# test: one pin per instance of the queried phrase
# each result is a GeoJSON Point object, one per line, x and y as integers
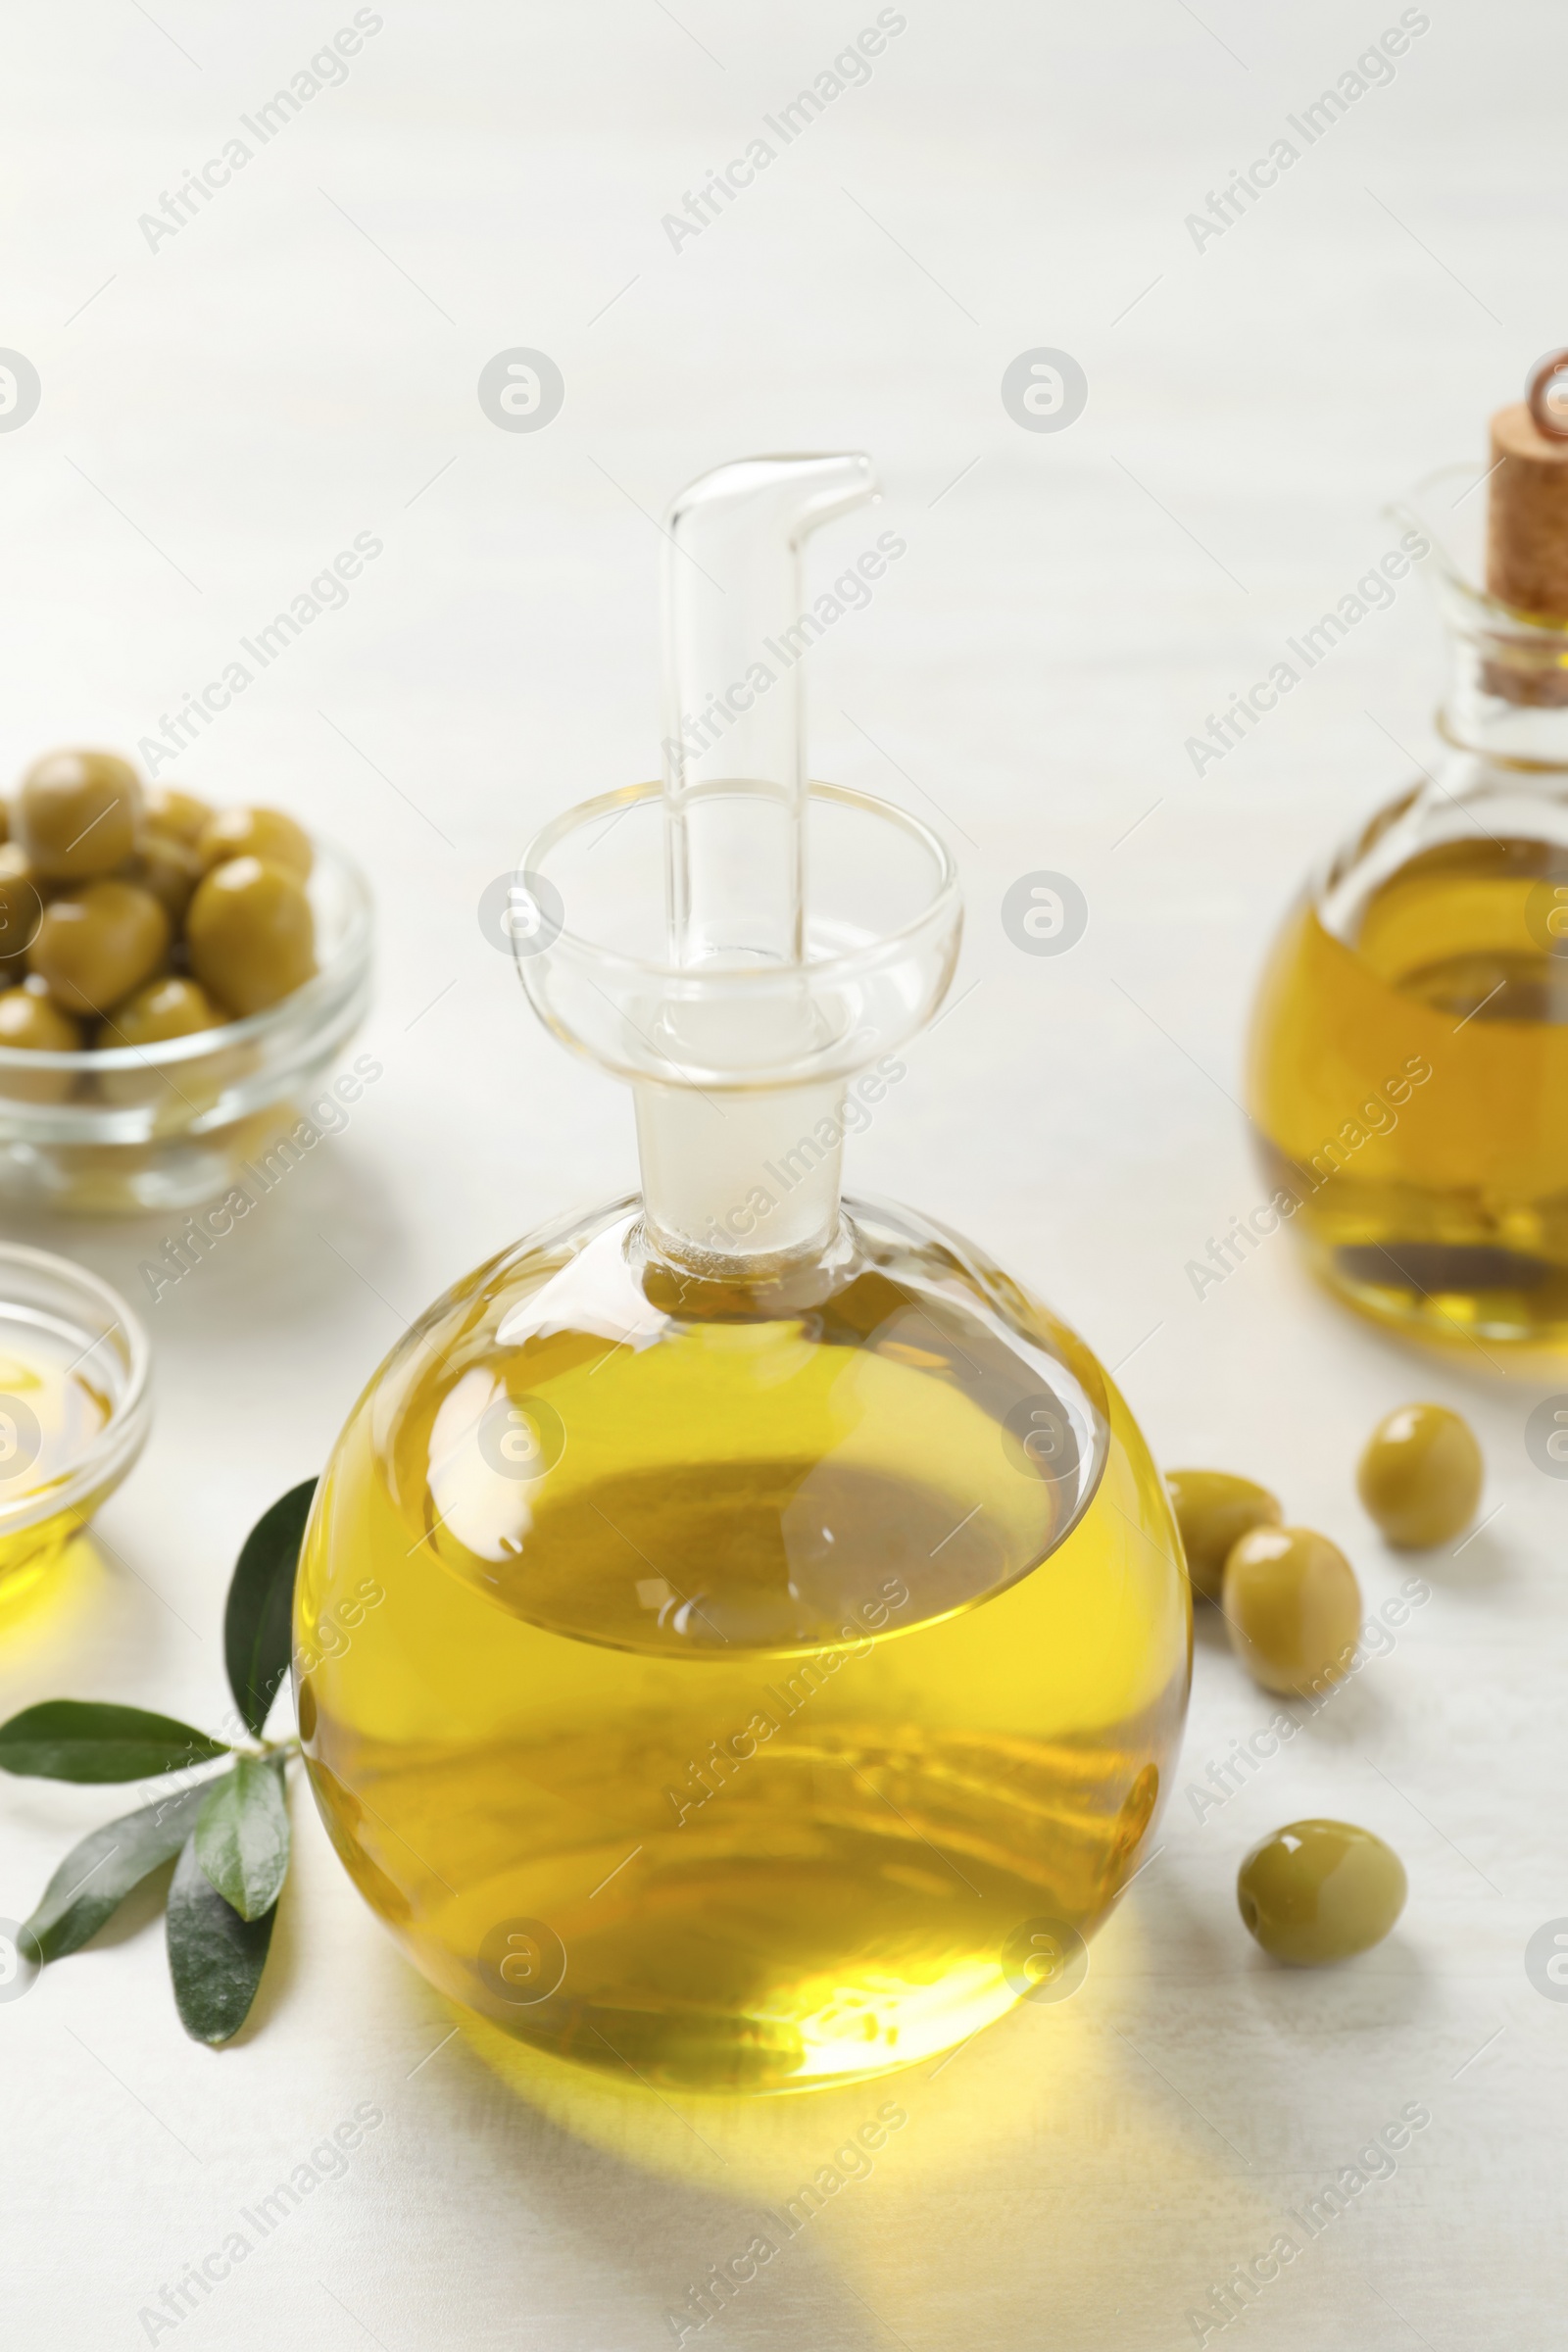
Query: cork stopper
{"type": "Point", "coordinates": [1527, 535]}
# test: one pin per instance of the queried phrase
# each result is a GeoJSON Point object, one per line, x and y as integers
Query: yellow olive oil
{"type": "Point", "coordinates": [744, 1696]}
{"type": "Point", "coordinates": [51, 1411]}
{"type": "Point", "coordinates": [1409, 1084]}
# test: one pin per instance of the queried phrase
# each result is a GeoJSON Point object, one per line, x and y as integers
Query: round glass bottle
{"type": "Point", "coordinates": [741, 1637]}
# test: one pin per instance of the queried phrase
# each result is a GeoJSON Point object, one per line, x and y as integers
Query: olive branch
{"type": "Point", "coordinates": [227, 1834]}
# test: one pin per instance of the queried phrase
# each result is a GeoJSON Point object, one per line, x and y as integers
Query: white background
{"type": "Point", "coordinates": [299, 365]}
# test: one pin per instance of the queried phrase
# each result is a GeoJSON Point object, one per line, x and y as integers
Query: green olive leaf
{"type": "Point", "coordinates": [96, 1876]}
{"type": "Point", "coordinates": [241, 1836]}
{"type": "Point", "coordinates": [258, 1618]}
{"type": "Point", "coordinates": [215, 1957]}
{"type": "Point", "coordinates": [82, 1739]}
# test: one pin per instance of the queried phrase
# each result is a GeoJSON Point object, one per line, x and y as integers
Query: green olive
{"type": "Point", "coordinates": [1320, 1891]}
{"type": "Point", "coordinates": [167, 866]}
{"type": "Point", "coordinates": [28, 1021]}
{"type": "Point", "coordinates": [77, 814]}
{"type": "Point", "coordinates": [1292, 1608]}
{"type": "Point", "coordinates": [1420, 1476]}
{"type": "Point", "coordinates": [1213, 1511]}
{"type": "Point", "coordinates": [166, 1007]}
{"type": "Point", "coordinates": [22, 897]}
{"type": "Point", "coordinates": [181, 813]}
{"type": "Point", "coordinates": [251, 934]}
{"type": "Point", "coordinates": [95, 945]}
{"type": "Point", "coordinates": [265, 833]}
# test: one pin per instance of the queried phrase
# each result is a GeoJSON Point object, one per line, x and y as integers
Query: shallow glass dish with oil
{"type": "Point", "coordinates": [75, 1406]}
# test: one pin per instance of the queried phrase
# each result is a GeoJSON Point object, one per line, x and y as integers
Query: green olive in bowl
{"type": "Point", "coordinates": [77, 814]}
{"type": "Point", "coordinates": [251, 934]}
{"type": "Point", "coordinates": [96, 944]}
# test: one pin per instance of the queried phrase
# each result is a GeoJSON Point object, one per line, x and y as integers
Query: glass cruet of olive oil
{"type": "Point", "coordinates": [741, 1635]}
{"type": "Point", "coordinates": [1409, 1055]}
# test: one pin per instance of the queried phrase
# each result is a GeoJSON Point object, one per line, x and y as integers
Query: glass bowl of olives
{"type": "Point", "coordinates": [174, 978]}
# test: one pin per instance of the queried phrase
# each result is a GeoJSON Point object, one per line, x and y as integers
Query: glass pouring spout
{"type": "Point", "coordinates": [735, 769]}
{"type": "Point", "coordinates": [804, 932]}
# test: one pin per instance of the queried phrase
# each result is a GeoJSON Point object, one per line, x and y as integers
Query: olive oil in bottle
{"type": "Point", "coordinates": [751, 1740]}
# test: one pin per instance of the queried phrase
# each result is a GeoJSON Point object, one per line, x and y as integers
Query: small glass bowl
{"type": "Point", "coordinates": [162, 1127]}
{"type": "Point", "coordinates": [61, 1316]}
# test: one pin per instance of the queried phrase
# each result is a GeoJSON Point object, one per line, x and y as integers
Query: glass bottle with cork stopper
{"type": "Point", "coordinates": [1409, 1079]}
{"type": "Point", "coordinates": [741, 1635]}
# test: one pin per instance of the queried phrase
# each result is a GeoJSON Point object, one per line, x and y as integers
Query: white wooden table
{"type": "Point", "coordinates": [223, 407]}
